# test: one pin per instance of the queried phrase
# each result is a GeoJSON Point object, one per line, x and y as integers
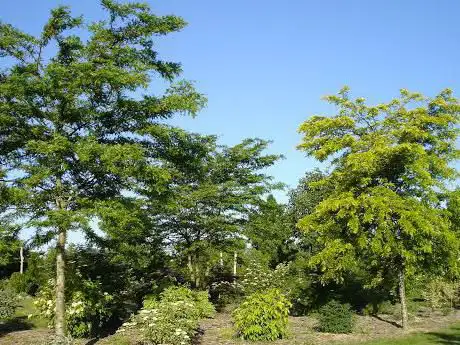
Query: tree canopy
{"type": "Point", "coordinates": [390, 162]}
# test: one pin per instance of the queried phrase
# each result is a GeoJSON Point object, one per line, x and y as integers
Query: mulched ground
{"type": "Point", "coordinates": [218, 331]}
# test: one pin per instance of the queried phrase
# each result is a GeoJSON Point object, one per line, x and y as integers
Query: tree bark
{"type": "Point", "coordinates": [60, 325]}
{"type": "Point", "coordinates": [59, 320]}
{"type": "Point", "coordinates": [402, 297]}
{"type": "Point", "coordinates": [21, 255]}
{"type": "Point", "coordinates": [197, 273]}
{"type": "Point", "coordinates": [235, 257]}
{"type": "Point", "coordinates": [190, 269]}
{"type": "Point", "coordinates": [221, 259]}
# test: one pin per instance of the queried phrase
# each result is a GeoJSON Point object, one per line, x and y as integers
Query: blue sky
{"type": "Point", "coordinates": [264, 65]}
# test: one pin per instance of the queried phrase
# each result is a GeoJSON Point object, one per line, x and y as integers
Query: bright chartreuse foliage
{"type": "Point", "coordinates": [262, 316]}
{"type": "Point", "coordinates": [390, 164]}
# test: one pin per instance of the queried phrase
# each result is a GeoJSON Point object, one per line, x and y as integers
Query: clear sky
{"type": "Point", "coordinates": [264, 65]}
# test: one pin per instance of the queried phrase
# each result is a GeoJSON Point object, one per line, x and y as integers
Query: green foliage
{"type": "Point", "coordinates": [262, 316]}
{"type": "Point", "coordinates": [390, 161]}
{"type": "Point", "coordinates": [225, 292]}
{"type": "Point", "coordinates": [214, 188]}
{"type": "Point", "coordinates": [269, 231]}
{"type": "Point", "coordinates": [88, 308]}
{"type": "Point", "coordinates": [19, 283]}
{"type": "Point", "coordinates": [258, 277]}
{"type": "Point", "coordinates": [8, 303]}
{"type": "Point", "coordinates": [173, 319]}
{"type": "Point", "coordinates": [391, 164]}
{"type": "Point", "coordinates": [28, 282]}
{"type": "Point", "coordinates": [440, 293]}
{"type": "Point", "coordinates": [199, 299]}
{"type": "Point", "coordinates": [335, 317]}
{"type": "Point", "coordinates": [80, 125]}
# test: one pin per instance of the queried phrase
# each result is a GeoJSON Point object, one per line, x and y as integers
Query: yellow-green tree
{"type": "Point", "coordinates": [389, 164]}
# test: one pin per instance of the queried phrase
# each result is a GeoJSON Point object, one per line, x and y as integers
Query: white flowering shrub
{"type": "Point", "coordinates": [86, 309]}
{"type": "Point", "coordinates": [257, 277]}
{"type": "Point", "coordinates": [174, 319]}
{"type": "Point", "coordinates": [440, 293]}
{"type": "Point", "coordinates": [225, 292]}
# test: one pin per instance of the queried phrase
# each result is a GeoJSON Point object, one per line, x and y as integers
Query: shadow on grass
{"type": "Point", "coordinates": [394, 323]}
{"type": "Point", "coordinates": [20, 323]}
{"type": "Point", "coordinates": [450, 338]}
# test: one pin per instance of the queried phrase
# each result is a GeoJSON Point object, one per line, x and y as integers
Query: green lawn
{"type": "Point", "coordinates": [450, 336]}
{"type": "Point", "coordinates": [20, 321]}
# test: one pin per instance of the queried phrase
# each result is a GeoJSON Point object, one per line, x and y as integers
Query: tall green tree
{"type": "Point", "coordinates": [302, 201]}
{"type": "Point", "coordinates": [78, 120]}
{"type": "Point", "coordinates": [269, 231]}
{"type": "Point", "coordinates": [212, 191]}
{"type": "Point", "coordinates": [390, 162]}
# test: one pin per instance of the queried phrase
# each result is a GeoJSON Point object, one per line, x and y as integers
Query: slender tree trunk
{"type": "Point", "coordinates": [197, 273]}
{"type": "Point", "coordinates": [21, 255]}
{"type": "Point", "coordinates": [235, 257]}
{"type": "Point", "coordinates": [221, 259]}
{"type": "Point", "coordinates": [402, 297]}
{"type": "Point", "coordinates": [60, 326]}
{"type": "Point", "coordinates": [190, 269]}
{"type": "Point", "coordinates": [59, 321]}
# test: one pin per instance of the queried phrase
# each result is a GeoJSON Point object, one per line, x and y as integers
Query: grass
{"type": "Point", "coordinates": [26, 308]}
{"type": "Point", "coordinates": [21, 320]}
{"type": "Point", "coordinates": [449, 336]}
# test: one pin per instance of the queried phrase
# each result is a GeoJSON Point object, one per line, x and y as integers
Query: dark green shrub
{"type": "Point", "coordinates": [262, 316]}
{"type": "Point", "coordinates": [8, 304]}
{"type": "Point", "coordinates": [335, 317]}
{"type": "Point", "coordinates": [19, 283]}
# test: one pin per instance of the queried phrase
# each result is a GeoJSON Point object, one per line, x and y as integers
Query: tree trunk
{"type": "Point", "coordinates": [190, 269]}
{"type": "Point", "coordinates": [221, 259]}
{"type": "Point", "coordinates": [59, 320]}
{"type": "Point", "coordinates": [197, 273]}
{"type": "Point", "coordinates": [21, 255]}
{"type": "Point", "coordinates": [60, 326]}
{"type": "Point", "coordinates": [402, 297]}
{"type": "Point", "coordinates": [235, 257]}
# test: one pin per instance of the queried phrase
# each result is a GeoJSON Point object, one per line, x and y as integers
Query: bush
{"type": "Point", "coordinates": [199, 299]}
{"type": "Point", "coordinates": [440, 294]}
{"type": "Point", "coordinates": [262, 316]}
{"type": "Point", "coordinates": [173, 319]}
{"type": "Point", "coordinates": [8, 304]}
{"type": "Point", "coordinates": [225, 292]}
{"type": "Point", "coordinates": [258, 277]}
{"type": "Point", "coordinates": [335, 317]}
{"type": "Point", "coordinates": [18, 283]}
{"type": "Point", "coordinates": [86, 310]}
